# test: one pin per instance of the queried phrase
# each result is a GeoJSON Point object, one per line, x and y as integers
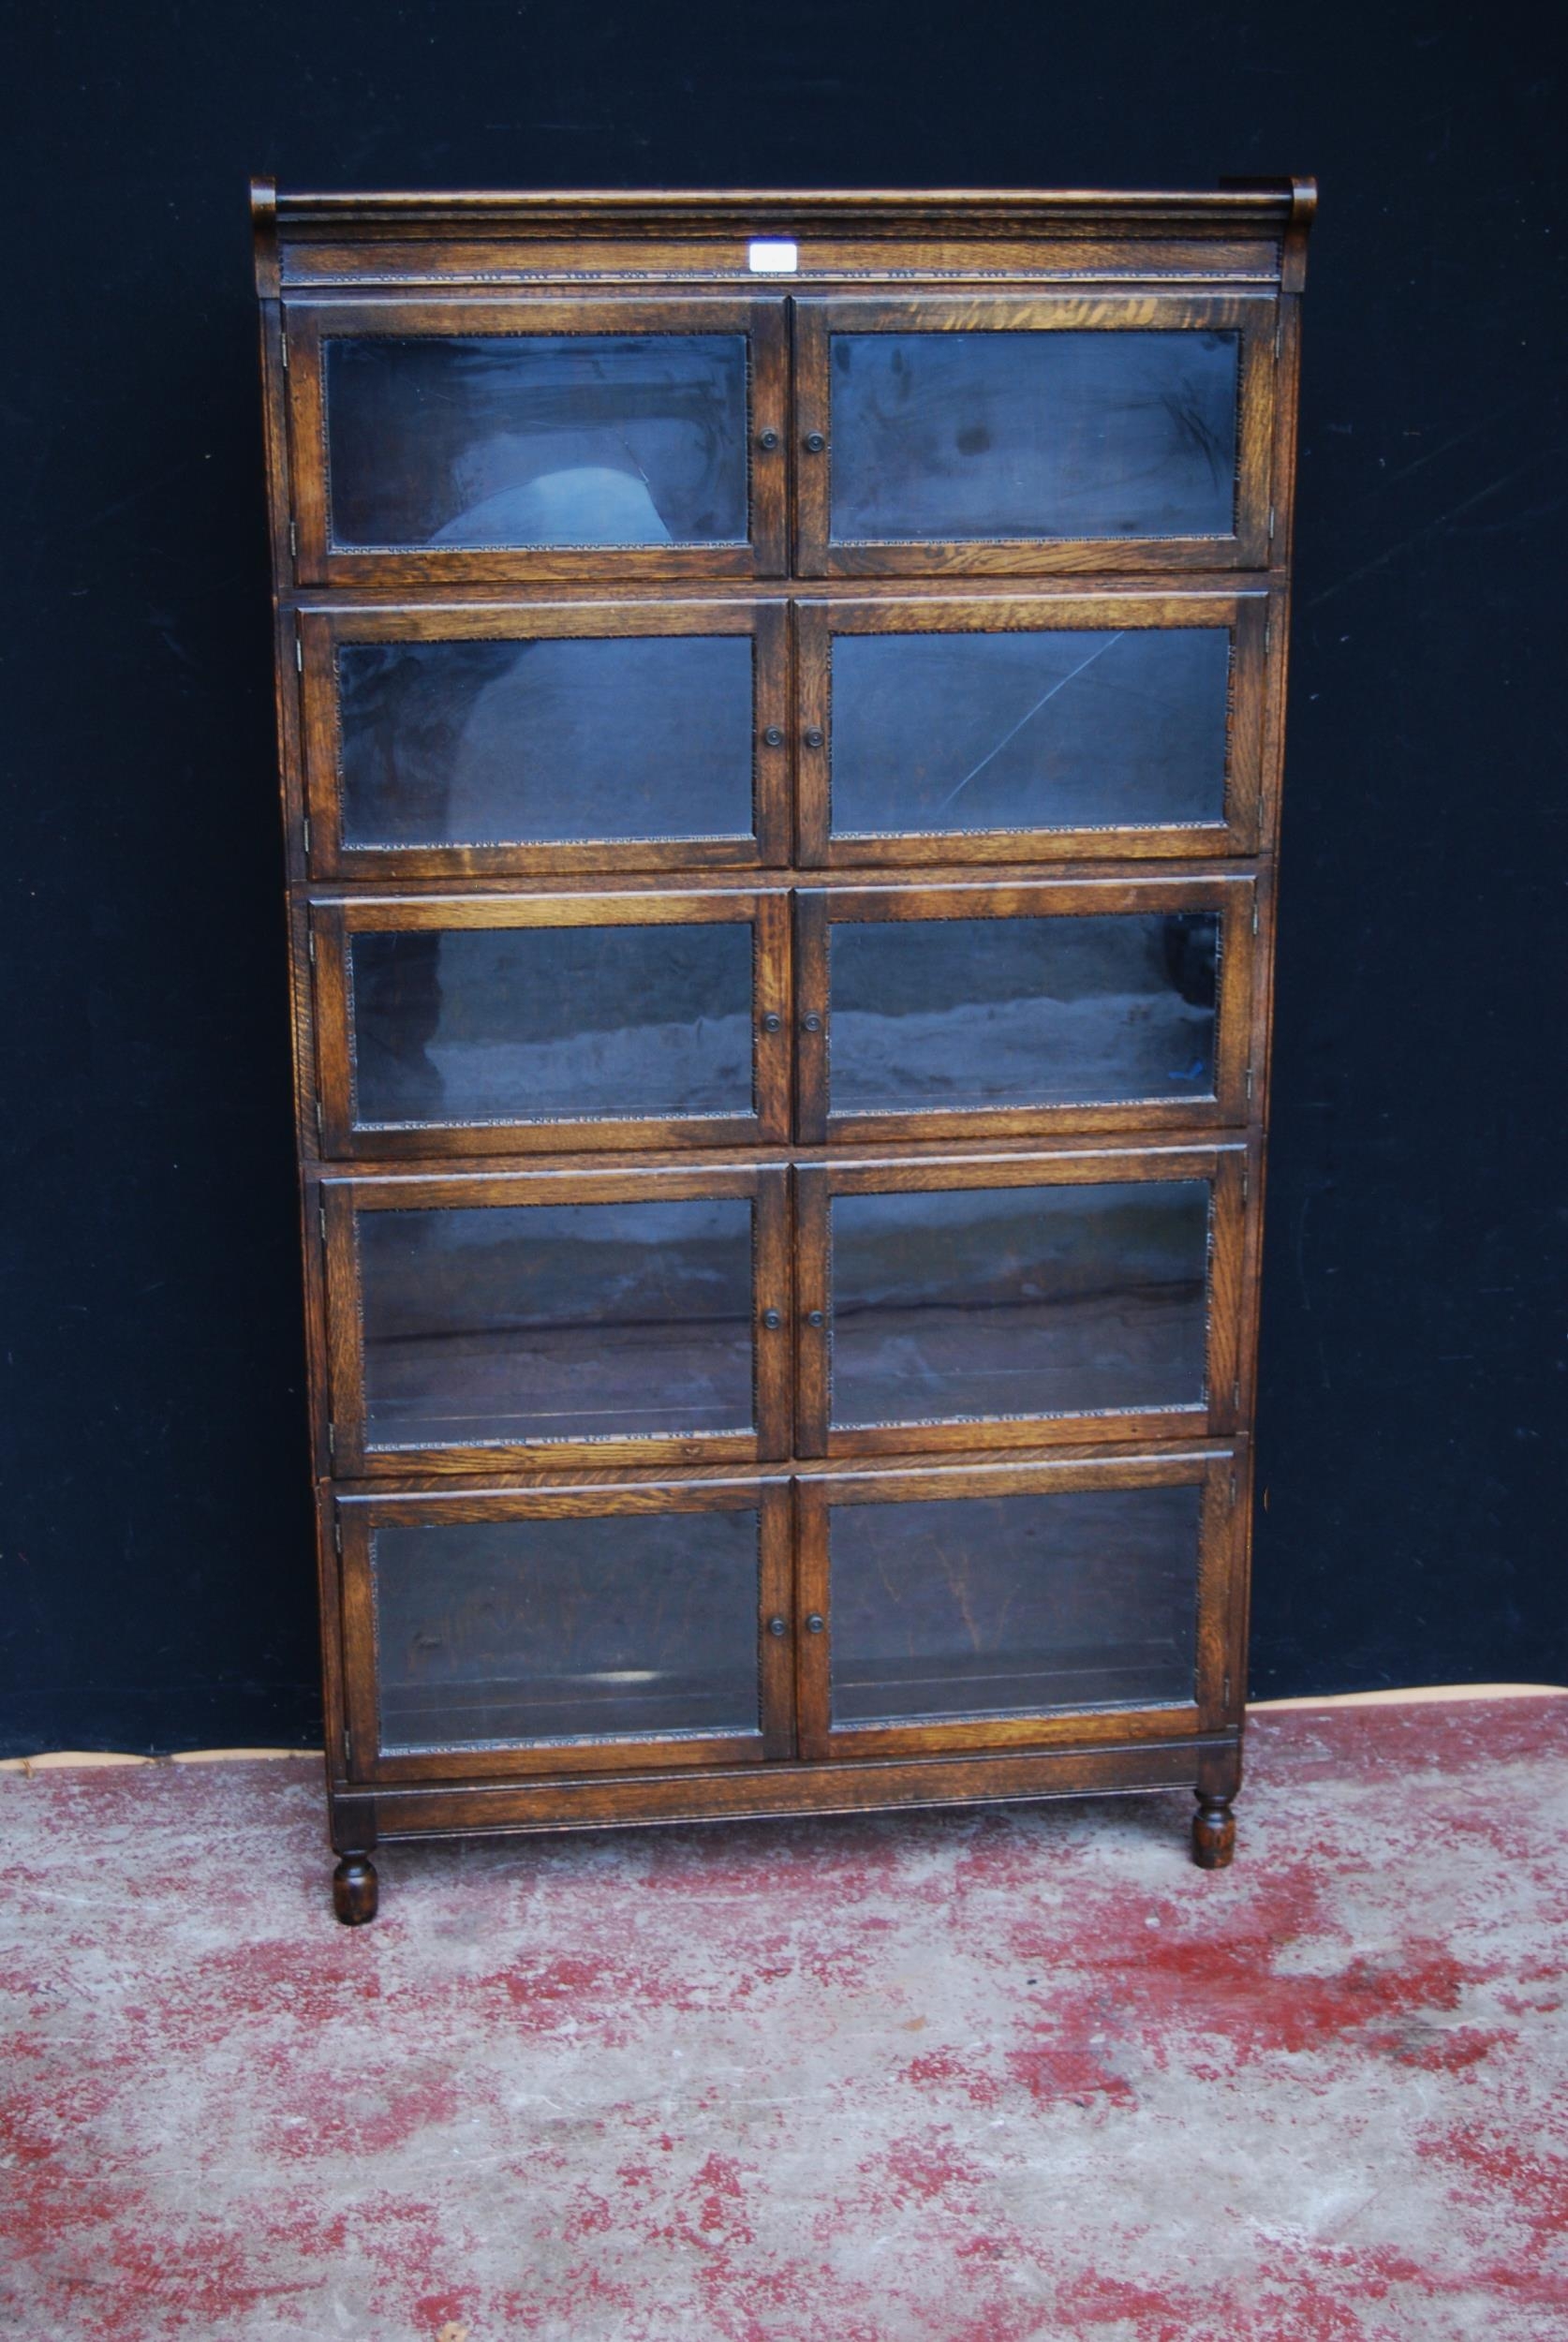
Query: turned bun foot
{"type": "Point", "coordinates": [1213, 1832]}
{"type": "Point", "coordinates": [354, 1889]}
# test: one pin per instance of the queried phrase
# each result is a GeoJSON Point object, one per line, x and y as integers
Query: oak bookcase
{"type": "Point", "coordinates": [781, 714]}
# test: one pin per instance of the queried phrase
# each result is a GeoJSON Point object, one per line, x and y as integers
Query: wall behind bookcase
{"type": "Point", "coordinates": [155, 1575]}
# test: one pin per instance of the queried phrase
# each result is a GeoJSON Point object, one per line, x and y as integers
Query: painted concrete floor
{"type": "Point", "coordinates": [951, 2078]}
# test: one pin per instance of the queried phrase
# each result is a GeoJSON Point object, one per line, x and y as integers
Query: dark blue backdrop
{"type": "Point", "coordinates": [157, 1586]}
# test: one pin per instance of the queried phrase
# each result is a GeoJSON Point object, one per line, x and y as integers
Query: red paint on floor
{"type": "Point", "coordinates": [982, 2077]}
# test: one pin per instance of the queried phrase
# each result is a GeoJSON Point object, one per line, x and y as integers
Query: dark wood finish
{"type": "Point", "coordinates": [324, 627]}
{"type": "Point", "coordinates": [358, 1517]}
{"type": "Point", "coordinates": [341, 1201]}
{"type": "Point", "coordinates": [335, 918]}
{"type": "Point", "coordinates": [1249, 811]}
{"type": "Point", "coordinates": [1227, 1375]}
{"type": "Point", "coordinates": [306, 323]}
{"type": "Point", "coordinates": [411, 266]}
{"type": "Point", "coordinates": [1249, 234]}
{"type": "Point", "coordinates": [1248, 316]}
{"type": "Point", "coordinates": [1213, 1832]}
{"type": "Point", "coordinates": [858, 1786]}
{"type": "Point", "coordinates": [1215, 1705]}
{"type": "Point", "coordinates": [356, 1893]}
{"type": "Point", "coordinates": [1232, 898]}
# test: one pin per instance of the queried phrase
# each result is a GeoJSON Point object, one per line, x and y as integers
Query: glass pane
{"type": "Point", "coordinates": [519, 1630]}
{"type": "Point", "coordinates": [939, 436]}
{"type": "Point", "coordinates": [545, 743]}
{"type": "Point", "coordinates": [1069, 729]}
{"type": "Point", "coordinates": [980, 1606]}
{"type": "Point", "coordinates": [1014, 1301]}
{"type": "Point", "coordinates": [537, 439]}
{"type": "Point", "coordinates": [931, 1014]}
{"type": "Point", "coordinates": [556, 1321]}
{"type": "Point", "coordinates": [534, 1024]}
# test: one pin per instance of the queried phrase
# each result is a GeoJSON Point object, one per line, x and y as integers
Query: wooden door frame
{"type": "Point", "coordinates": [1226, 1163]}
{"type": "Point", "coordinates": [356, 1516]}
{"type": "Point", "coordinates": [1219, 1473]}
{"type": "Point", "coordinates": [1246, 612]}
{"type": "Point", "coordinates": [342, 1196]}
{"type": "Point", "coordinates": [325, 628]}
{"type": "Point", "coordinates": [1232, 896]}
{"type": "Point", "coordinates": [310, 319]}
{"type": "Point", "coordinates": [1250, 315]}
{"type": "Point", "coordinates": [336, 919]}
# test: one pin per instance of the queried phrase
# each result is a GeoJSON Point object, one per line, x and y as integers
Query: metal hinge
{"type": "Point", "coordinates": [318, 1133]}
{"type": "Point", "coordinates": [1232, 1487]}
{"type": "Point", "coordinates": [299, 646]}
{"type": "Point", "coordinates": [1268, 621]}
{"type": "Point", "coordinates": [1278, 335]}
{"type": "Point", "coordinates": [310, 939]}
{"type": "Point", "coordinates": [331, 1439]}
{"type": "Point", "coordinates": [348, 1747]}
{"type": "Point", "coordinates": [1249, 1085]}
{"type": "Point", "coordinates": [1272, 515]}
{"type": "Point", "coordinates": [283, 344]}
{"type": "Point", "coordinates": [1246, 1182]}
{"type": "Point", "coordinates": [1254, 915]}
{"type": "Point", "coordinates": [321, 1216]}
{"type": "Point", "coordinates": [305, 831]}
{"type": "Point", "coordinates": [337, 1534]}
{"type": "Point", "coordinates": [1227, 1700]}
{"type": "Point", "coordinates": [1236, 1392]}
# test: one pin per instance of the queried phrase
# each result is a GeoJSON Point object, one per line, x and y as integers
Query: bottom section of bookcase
{"type": "Point", "coordinates": [362, 1820]}
{"type": "Point", "coordinates": [597, 1651]}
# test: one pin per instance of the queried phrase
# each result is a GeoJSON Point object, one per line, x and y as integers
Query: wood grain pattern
{"type": "Point", "coordinates": [1250, 318]}
{"type": "Point", "coordinates": [334, 919]}
{"type": "Point", "coordinates": [1225, 1167]}
{"type": "Point", "coordinates": [317, 561]}
{"type": "Point", "coordinates": [325, 626]}
{"type": "Point", "coordinates": [859, 1784]}
{"type": "Point", "coordinates": [943, 260]}
{"type": "Point", "coordinates": [1232, 898]}
{"type": "Point", "coordinates": [825, 615]}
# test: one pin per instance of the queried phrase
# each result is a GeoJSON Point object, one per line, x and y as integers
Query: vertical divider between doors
{"type": "Point", "coordinates": [769, 328]}
{"type": "Point", "coordinates": [773, 1344]}
{"type": "Point", "coordinates": [772, 788]}
{"type": "Point", "coordinates": [813, 1688]}
{"type": "Point", "coordinates": [775, 1523]}
{"type": "Point", "coordinates": [808, 412]}
{"type": "Point", "coordinates": [811, 1016]}
{"type": "Point", "coordinates": [792, 468]}
{"type": "Point", "coordinates": [813, 643]}
{"type": "Point", "coordinates": [811, 1297]}
{"type": "Point", "coordinates": [775, 1056]}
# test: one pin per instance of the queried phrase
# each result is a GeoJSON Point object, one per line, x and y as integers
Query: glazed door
{"type": "Point", "coordinates": [604, 1317]}
{"type": "Point", "coordinates": [484, 1024]}
{"type": "Point", "coordinates": [1013, 1605]}
{"type": "Point", "coordinates": [1009, 727]}
{"type": "Point", "coordinates": [938, 1012]}
{"type": "Point", "coordinates": [480, 441]}
{"type": "Point", "coordinates": [1015, 436]}
{"type": "Point", "coordinates": [1019, 1300]}
{"type": "Point", "coordinates": [566, 1629]}
{"type": "Point", "coordinates": [535, 737]}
